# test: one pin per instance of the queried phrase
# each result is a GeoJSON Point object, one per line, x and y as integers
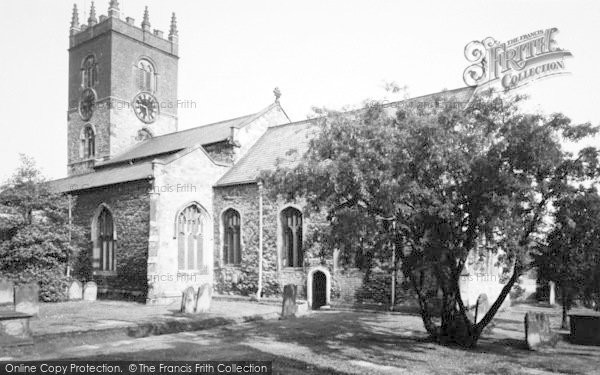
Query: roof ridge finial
{"type": "Point", "coordinates": [75, 20]}
{"type": "Point", "coordinates": [173, 33]}
{"type": "Point", "coordinates": [277, 94]}
{"type": "Point", "coordinates": [113, 9]}
{"type": "Point", "coordinates": [146, 22]}
{"type": "Point", "coordinates": [92, 20]}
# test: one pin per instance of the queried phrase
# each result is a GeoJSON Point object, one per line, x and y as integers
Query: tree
{"type": "Point", "coordinates": [571, 256]}
{"type": "Point", "coordinates": [435, 182]}
{"type": "Point", "coordinates": [36, 236]}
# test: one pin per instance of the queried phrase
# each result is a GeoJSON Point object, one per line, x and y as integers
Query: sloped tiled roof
{"type": "Point", "coordinates": [173, 142]}
{"type": "Point", "coordinates": [457, 97]}
{"type": "Point", "coordinates": [104, 177]}
{"type": "Point", "coordinates": [286, 144]}
{"type": "Point", "coordinates": [283, 143]}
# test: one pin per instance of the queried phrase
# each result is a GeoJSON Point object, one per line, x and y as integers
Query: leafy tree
{"type": "Point", "coordinates": [431, 184]}
{"type": "Point", "coordinates": [571, 256]}
{"type": "Point", "coordinates": [35, 242]}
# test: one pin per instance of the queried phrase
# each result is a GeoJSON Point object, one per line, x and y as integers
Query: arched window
{"type": "Point", "coordinates": [146, 76]}
{"type": "Point", "coordinates": [143, 134]}
{"type": "Point", "coordinates": [89, 72]}
{"type": "Point", "coordinates": [190, 238]}
{"type": "Point", "coordinates": [291, 224]}
{"type": "Point", "coordinates": [232, 251]}
{"type": "Point", "coordinates": [104, 257]}
{"type": "Point", "coordinates": [88, 142]}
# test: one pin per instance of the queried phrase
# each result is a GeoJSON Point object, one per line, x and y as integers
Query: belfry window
{"type": "Point", "coordinates": [291, 224]}
{"type": "Point", "coordinates": [89, 72]}
{"type": "Point", "coordinates": [232, 252]}
{"type": "Point", "coordinates": [88, 142]}
{"type": "Point", "coordinates": [190, 238]}
{"type": "Point", "coordinates": [146, 76]}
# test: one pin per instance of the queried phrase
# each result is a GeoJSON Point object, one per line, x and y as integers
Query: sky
{"type": "Point", "coordinates": [319, 53]}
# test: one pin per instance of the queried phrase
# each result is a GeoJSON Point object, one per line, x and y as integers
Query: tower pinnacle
{"type": "Point", "coordinates": [75, 20]}
{"type": "Point", "coordinates": [173, 33]}
{"type": "Point", "coordinates": [92, 20]}
{"type": "Point", "coordinates": [113, 9]}
{"type": "Point", "coordinates": [146, 21]}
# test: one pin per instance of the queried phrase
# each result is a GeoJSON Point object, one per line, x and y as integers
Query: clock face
{"type": "Point", "coordinates": [145, 107]}
{"type": "Point", "coordinates": [86, 104]}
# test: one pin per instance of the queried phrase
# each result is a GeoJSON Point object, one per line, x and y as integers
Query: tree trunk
{"type": "Point", "coordinates": [455, 328]}
{"type": "Point", "coordinates": [565, 307]}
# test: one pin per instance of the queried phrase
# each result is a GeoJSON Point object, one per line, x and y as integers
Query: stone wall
{"type": "Point", "coordinates": [114, 121]}
{"type": "Point", "coordinates": [186, 179]}
{"type": "Point", "coordinates": [221, 151]}
{"type": "Point", "coordinates": [130, 206]}
{"type": "Point", "coordinates": [243, 278]}
{"type": "Point", "coordinates": [348, 285]}
{"type": "Point", "coordinates": [247, 136]}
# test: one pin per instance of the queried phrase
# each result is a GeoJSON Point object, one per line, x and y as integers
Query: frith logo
{"type": "Point", "coordinates": [514, 63]}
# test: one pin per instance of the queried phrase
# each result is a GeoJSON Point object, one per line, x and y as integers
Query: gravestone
{"type": "Point", "coordinates": [7, 295]}
{"type": "Point", "coordinates": [482, 307]}
{"type": "Point", "coordinates": [289, 307]}
{"type": "Point", "coordinates": [203, 299]}
{"type": "Point", "coordinates": [27, 299]}
{"type": "Point", "coordinates": [14, 329]}
{"type": "Point", "coordinates": [90, 291]}
{"type": "Point", "coordinates": [538, 333]}
{"type": "Point", "coordinates": [75, 291]}
{"type": "Point", "coordinates": [188, 301]}
{"type": "Point", "coordinates": [302, 307]}
{"type": "Point", "coordinates": [552, 293]}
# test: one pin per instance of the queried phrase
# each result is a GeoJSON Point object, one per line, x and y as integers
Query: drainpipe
{"type": "Point", "coordinates": [260, 240]}
{"type": "Point", "coordinates": [393, 299]}
{"type": "Point", "coordinates": [70, 223]}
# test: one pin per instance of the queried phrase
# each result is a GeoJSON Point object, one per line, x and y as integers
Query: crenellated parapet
{"type": "Point", "coordinates": [112, 22]}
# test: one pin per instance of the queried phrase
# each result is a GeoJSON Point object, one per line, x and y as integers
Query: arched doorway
{"type": "Point", "coordinates": [319, 290]}
{"type": "Point", "coordinates": [318, 287]}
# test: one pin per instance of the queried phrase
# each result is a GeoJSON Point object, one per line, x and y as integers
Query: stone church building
{"type": "Point", "coordinates": [165, 209]}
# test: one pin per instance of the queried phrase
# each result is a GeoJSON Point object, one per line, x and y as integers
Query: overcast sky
{"type": "Point", "coordinates": [320, 53]}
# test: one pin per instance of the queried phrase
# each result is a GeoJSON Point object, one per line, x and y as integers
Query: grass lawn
{"type": "Point", "coordinates": [339, 342]}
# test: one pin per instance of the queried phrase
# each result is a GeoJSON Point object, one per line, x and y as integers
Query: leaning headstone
{"type": "Point", "coordinates": [75, 291]}
{"type": "Point", "coordinates": [482, 307]}
{"type": "Point", "coordinates": [27, 299]}
{"type": "Point", "coordinates": [538, 333]}
{"type": "Point", "coordinates": [203, 299]}
{"type": "Point", "coordinates": [90, 291]}
{"type": "Point", "coordinates": [7, 295]}
{"type": "Point", "coordinates": [188, 301]}
{"type": "Point", "coordinates": [289, 307]}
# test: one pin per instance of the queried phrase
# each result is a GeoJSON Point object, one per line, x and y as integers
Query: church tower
{"type": "Point", "coordinates": [122, 85]}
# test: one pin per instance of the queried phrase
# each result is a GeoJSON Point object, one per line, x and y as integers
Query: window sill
{"type": "Point", "coordinates": [292, 269]}
{"type": "Point", "coordinates": [203, 272]}
{"type": "Point", "coordinates": [104, 273]}
{"type": "Point", "coordinates": [231, 265]}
